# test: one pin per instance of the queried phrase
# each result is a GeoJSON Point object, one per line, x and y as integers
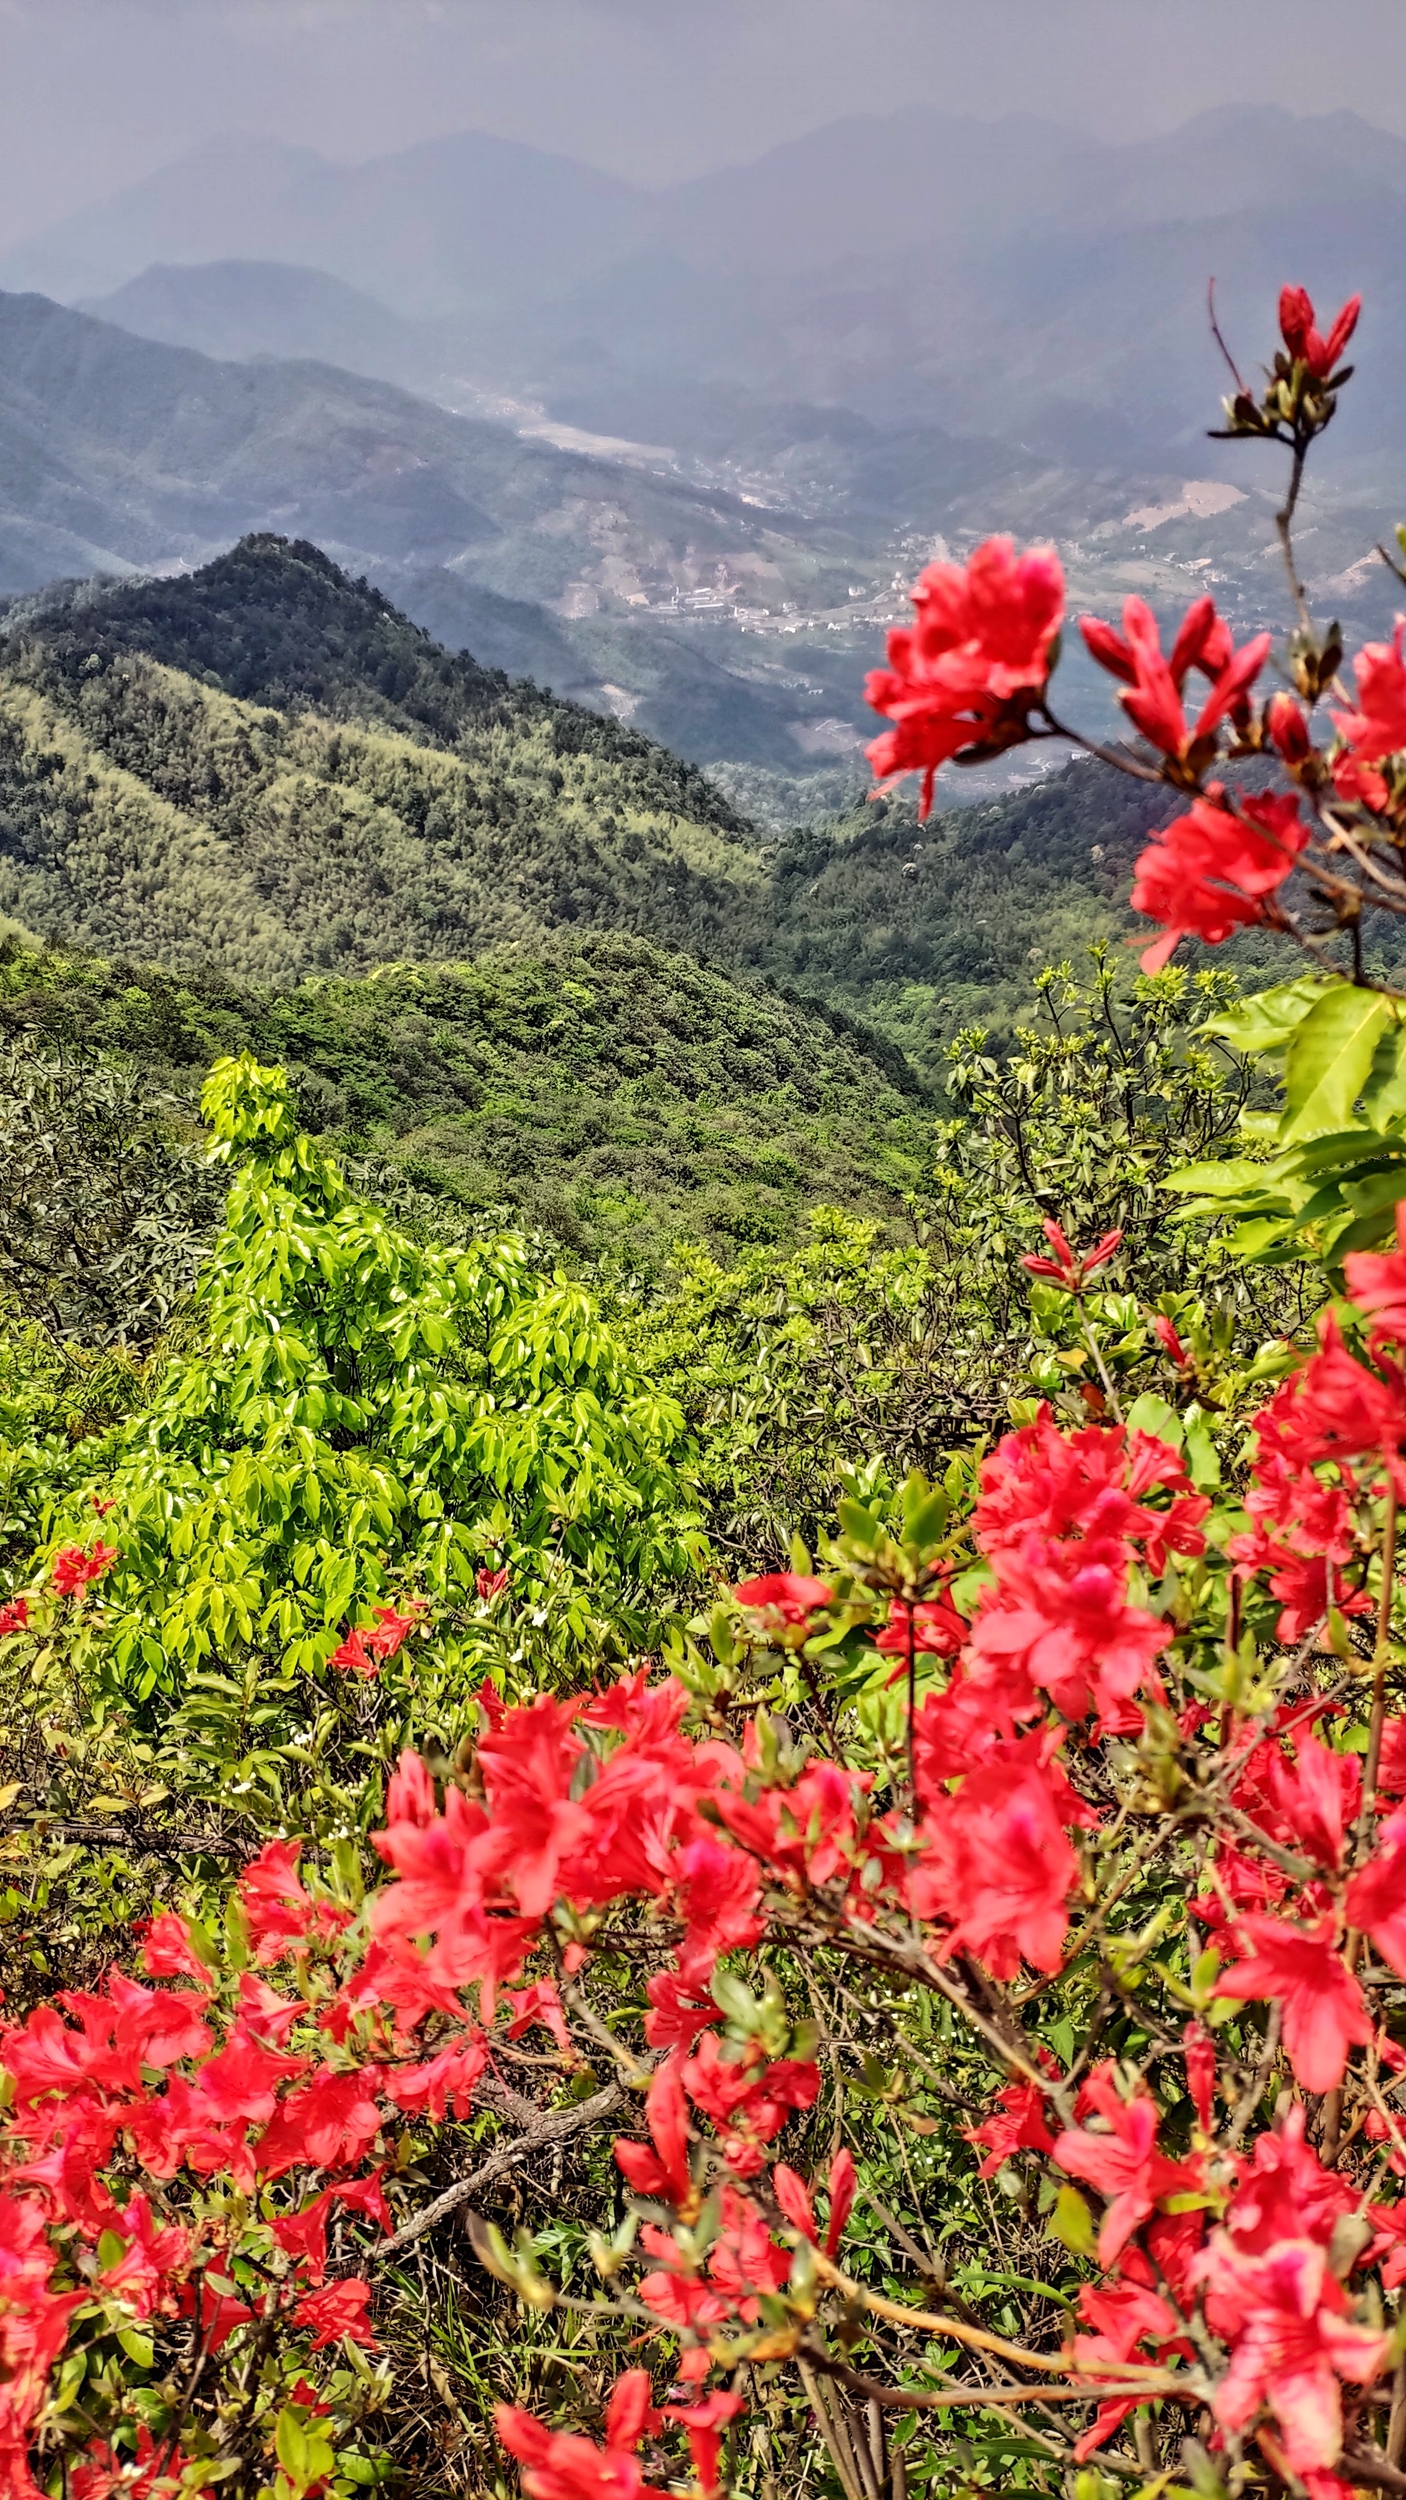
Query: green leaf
{"type": "Point", "coordinates": [1384, 1094]}
{"type": "Point", "coordinates": [1071, 2223]}
{"type": "Point", "coordinates": [1217, 1180]}
{"type": "Point", "coordinates": [291, 2443]}
{"type": "Point", "coordinates": [1152, 1415]}
{"type": "Point", "coordinates": [1202, 1459]}
{"type": "Point", "coordinates": [1329, 1059]}
{"type": "Point", "coordinates": [1267, 1022]}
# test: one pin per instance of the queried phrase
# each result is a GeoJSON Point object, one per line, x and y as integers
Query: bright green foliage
{"type": "Point", "coordinates": [366, 1420]}
{"type": "Point", "coordinates": [860, 1356]}
{"type": "Point", "coordinates": [1328, 1170]}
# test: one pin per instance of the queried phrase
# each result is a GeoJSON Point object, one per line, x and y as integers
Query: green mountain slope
{"type": "Point", "coordinates": [609, 1093]}
{"type": "Point", "coordinates": [144, 809]}
{"type": "Point", "coordinates": [263, 766]}
{"type": "Point", "coordinates": [923, 928]}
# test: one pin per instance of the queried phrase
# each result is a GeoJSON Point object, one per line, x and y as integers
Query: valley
{"type": "Point", "coordinates": [683, 470]}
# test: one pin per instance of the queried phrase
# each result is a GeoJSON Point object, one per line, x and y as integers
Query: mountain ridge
{"type": "Point", "coordinates": [890, 227]}
{"type": "Point", "coordinates": [119, 454]}
{"type": "Point", "coordinates": [266, 768]}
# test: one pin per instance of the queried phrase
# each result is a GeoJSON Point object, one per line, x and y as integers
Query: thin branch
{"type": "Point", "coordinates": [554, 2128]}
{"type": "Point", "coordinates": [1284, 524]}
{"type": "Point", "coordinates": [932, 2400]}
{"type": "Point", "coordinates": [1217, 335]}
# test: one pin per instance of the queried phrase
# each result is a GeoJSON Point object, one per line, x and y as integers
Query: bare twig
{"type": "Point", "coordinates": [554, 2128]}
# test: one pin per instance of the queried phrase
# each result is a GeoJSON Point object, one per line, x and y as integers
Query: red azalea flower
{"type": "Point", "coordinates": [1285, 2193]}
{"type": "Point", "coordinates": [1123, 2163]}
{"type": "Point", "coordinates": [1378, 726]}
{"type": "Point", "coordinates": [1058, 1615]}
{"type": "Point", "coordinates": [1333, 1407]}
{"type": "Point", "coordinates": [702, 2424]}
{"type": "Point", "coordinates": [932, 1626]}
{"type": "Point", "coordinates": [1291, 2344]}
{"type": "Point", "coordinates": [282, 1916]}
{"type": "Point", "coordinates": [1070, 1268]}
{"type": "Point", "coordinates": [794, 2198]}
{"type": "Point", "coordinates": [538, 2003]}
{"type": "Point", "coordinates": [328, 2122]}
{"type": "Point", "coordinates": [1311, 1804]}
{"type": "Point", "coordinates": [556, 2465]}
{"type": "Point", "coordinates": [442, 2085]}
{"type": "Point", "coordinates": [748, 2103]}
{"type": "Point", "coordinates": [1154, 702]}
{"type": "Point", "coordinates": [962, 679]}
{"type": "Point", "coordinates": [353, 1656]}
{"type": "Point", "coordinates": [1021, 2121]}
{"type": "Point", "coordinates": [1207, 874]}
{"type": "Point", "coordinates": [788, 1596]}
{"type": "Point", "coordinates": [1093, 1483]}
{"type": "Point", "coordinates": [1302, 339]}
{"type": "Point", "coordinates": [73, 1569]}
{"type": "Point", "coordinates": [997, 1863]}
{"type": "Point", "coordinates": [1169, 1341]}
{"type": "Point", "coordinates": [1288, 728]}
{"type": "Point", "coordinates": [1123, 2316]}
{"type": "Point", "coordinates": [391, 1626]}
{"type": "Point", "coordinates": [338, 2310]}
{"type": "Point", "coordinates": [1324, 2010]}
{"type": "Point", "coordinates": [664, 2171]}
{"type": "Point", "coordinates": [1375, 1900]}
{"type": "Point", "coordinates": [151, 2255]}
{"type": "Point", "coordinates": [1199, 2051]}
{"type": "Point", "coordinates": [1376, 1280]}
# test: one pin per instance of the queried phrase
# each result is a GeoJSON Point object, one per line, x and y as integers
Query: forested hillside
{"type": "Point", "coordinates": [611, 1095]}
{"type": "Point", "coordinates": [146, 809]}
{"type": "Point", "coordinates": [265, 768]}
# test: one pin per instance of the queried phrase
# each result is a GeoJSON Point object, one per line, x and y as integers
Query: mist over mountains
{"type": "Point", "coordinates": [996, 275]}
{"type": "Point", "coordinates": [677, 452]}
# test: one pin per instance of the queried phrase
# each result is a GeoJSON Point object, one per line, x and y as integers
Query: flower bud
{"type": "Point", "coordinates": [1288, 729]}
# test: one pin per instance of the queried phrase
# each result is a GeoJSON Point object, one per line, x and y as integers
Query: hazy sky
{"type": "Point", "coordinates": [94, 93]}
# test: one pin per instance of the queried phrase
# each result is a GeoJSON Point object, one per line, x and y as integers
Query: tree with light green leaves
{"type": "Point", "coordinates": [363, 1420]}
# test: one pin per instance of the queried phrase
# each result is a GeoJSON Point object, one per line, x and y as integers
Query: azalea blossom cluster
{"type": "Point", "coordinates": [972, 678]}
{"type": "Point", "coordinates": [1145, 1758]}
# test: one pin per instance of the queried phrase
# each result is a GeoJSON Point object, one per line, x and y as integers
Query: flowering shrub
{"type": "Point", "coordinates": [1040, 1848]}
{"type": "Point", "coordinates": [1122, 1797]}
{"type": "Point", "coordinates": [1313, 859]}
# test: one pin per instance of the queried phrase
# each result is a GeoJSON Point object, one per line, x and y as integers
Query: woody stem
{"type": "Point", "coordinates": [1118, 758]}
{"type": "Point", "coordinates": [1372, 1765]}
{"type": "Point", "coordinates": [1284, 524]}
{"type": "Point", "coordinates": [1096, 1351]}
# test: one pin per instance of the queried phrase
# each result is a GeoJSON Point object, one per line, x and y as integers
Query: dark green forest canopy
{"type": "Point", "coordinates": [614, 1095]}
